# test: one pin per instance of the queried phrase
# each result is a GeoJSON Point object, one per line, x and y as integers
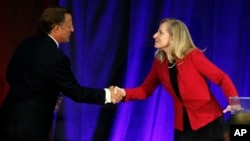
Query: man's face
{"type": "Point", "coordinates": [65, 29]}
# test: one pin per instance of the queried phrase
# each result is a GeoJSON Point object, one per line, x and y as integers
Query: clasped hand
{"type": "Point", "coordinates": [117, 94]}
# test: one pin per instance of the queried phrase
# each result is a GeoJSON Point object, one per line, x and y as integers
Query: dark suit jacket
{"type": "Point", "coordinates": [37, 73]}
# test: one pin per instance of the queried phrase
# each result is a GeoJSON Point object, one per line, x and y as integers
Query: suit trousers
{"type": "Point", "coordinates": [5, 137]}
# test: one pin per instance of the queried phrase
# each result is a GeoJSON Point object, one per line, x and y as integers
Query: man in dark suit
{"type": "Point", "coordinates": [38, 71]}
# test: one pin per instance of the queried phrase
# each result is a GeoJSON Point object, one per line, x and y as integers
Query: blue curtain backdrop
{"type": "Point", "coordinates": [113, 45]}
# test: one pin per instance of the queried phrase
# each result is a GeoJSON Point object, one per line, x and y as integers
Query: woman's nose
{"type": "Point", "coordinates": [154, 36]}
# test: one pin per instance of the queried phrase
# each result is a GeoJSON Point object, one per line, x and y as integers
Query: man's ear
{"type": "Point", "coordinates": [56, 28]}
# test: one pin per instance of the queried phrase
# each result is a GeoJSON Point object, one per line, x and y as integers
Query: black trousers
{"type": "Point", "coordinates": [5, 137]}
{"type": "Point", "coordinates": [214, 131]}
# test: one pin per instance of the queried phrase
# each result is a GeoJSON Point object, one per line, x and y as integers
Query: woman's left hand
{"type": "Point", "coordinates": [229, 108]}
{"type": "Point", "coordinates": [234, 108]}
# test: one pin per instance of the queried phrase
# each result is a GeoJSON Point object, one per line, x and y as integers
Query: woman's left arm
{"type": "Point", "coordinates": [213, 73]}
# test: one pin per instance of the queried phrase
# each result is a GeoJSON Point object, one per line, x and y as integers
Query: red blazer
{"type": "Point", "coordinates": [193, 70]}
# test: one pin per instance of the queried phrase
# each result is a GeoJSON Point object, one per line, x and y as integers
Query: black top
{"type": "Point", "coordinates": [173, 77]}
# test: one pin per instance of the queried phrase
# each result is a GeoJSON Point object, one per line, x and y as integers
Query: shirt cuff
{"type": "Point", "coordinates": [107, 96]}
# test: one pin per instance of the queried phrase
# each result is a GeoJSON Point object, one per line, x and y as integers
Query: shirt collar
{"type": "Point", "coordinates": [57, 44]}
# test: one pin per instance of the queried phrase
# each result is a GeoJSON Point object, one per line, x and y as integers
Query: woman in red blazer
{"type": "Point", "coordinates": [183, 70]}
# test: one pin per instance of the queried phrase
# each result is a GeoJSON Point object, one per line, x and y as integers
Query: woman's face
{"type": "Point", "coordinates": [162, 37]}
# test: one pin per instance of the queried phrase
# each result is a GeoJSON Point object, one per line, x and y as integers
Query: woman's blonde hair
{"type": "Point", "coordinates": [181, 41]}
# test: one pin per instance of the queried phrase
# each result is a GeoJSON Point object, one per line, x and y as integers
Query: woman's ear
{"type": "Point", "coordinates": [171, 40]}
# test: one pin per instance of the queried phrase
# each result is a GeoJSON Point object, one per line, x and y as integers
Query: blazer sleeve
{"type": "Point", "coordinates": [213, 73]}
{"type": "Point", "coordinates": [146, 88]}
{"type": "Point", "coordinates": [65, 80]}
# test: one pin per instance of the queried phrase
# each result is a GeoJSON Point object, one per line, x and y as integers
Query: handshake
{"type": "Point", "coordinates": [117, 94]}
